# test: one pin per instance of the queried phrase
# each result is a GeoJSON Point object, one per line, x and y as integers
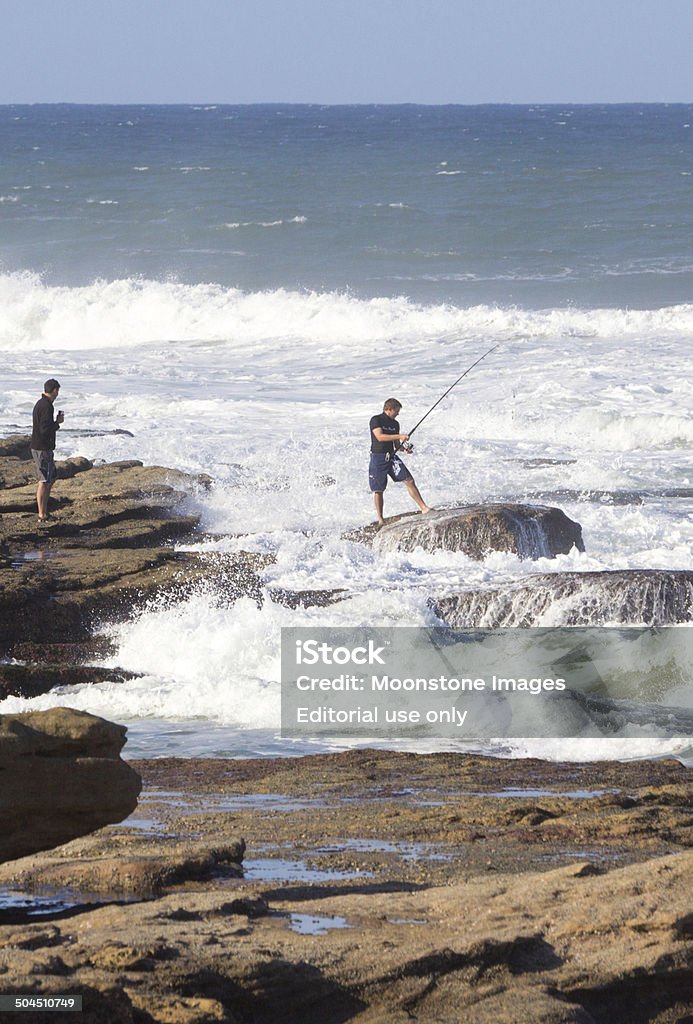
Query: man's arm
{"type": "Point", "coordinates": [380, 435]}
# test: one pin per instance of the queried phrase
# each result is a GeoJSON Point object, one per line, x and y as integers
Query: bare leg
{"type": "Point", "coordinates": [42, 494]}
{"type": "Point", "coordinates": [416, 496]}
{"type": "Point", "coordinates": [378, 496]}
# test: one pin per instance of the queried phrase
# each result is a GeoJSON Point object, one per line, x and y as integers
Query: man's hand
{"type": "Point", "coordinates": [60, 418]}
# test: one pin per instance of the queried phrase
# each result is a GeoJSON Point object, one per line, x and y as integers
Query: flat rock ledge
{"type": "Point", "coordinates": [443, 889]}
{"type": "Point", "coordinates": [61, 776]}
{"type": "Point", "coordinates": [529, 531]}
{"type": "Point", "coordinates": [644, 597]}
{"type": "Point", "coordinates": [106, 551]}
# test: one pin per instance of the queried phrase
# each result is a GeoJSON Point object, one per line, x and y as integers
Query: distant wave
{"type": "Point", "coordinates": [131, 312]}
{"type": "Point", "coordinates": [266, 223]}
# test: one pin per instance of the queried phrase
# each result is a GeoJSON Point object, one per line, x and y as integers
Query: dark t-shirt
{"type": "Point", "coordinates": [388, 426]}
{"type": "Point", "coordinates": [44, 428]}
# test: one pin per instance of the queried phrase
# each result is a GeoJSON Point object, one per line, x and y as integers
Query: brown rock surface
{"type": "Point", "coordinates": [438, 888]}
{"type": "Point", "coordinates": [61, 776]}
{"type": "Point", "coordinates": [531, 531]}
{"type": "Point", "coordinates": [106, 551]}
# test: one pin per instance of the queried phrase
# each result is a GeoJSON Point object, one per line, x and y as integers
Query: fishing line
{"type": "Point", "coordinates": [400, 444]}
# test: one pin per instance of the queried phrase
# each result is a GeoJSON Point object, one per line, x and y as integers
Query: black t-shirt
{"type": "Point", "coordinates": [44, 426]}
{"type": "Point", "coordinates": [388, 426]}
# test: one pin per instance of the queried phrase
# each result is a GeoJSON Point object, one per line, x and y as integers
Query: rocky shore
{"type": "Point", "coordinates": [105, 552]}
{"type": "Point", "coordinates": [370, 886]}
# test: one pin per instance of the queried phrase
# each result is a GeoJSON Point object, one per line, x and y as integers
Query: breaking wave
{"type": "Point", "coordinates": [131, 312]}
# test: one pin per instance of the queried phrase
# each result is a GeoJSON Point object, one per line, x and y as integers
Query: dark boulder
{"type": "Point", "coordinates": [530, 531]}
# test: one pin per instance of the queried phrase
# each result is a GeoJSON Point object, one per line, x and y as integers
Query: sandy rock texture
{"type": "Point", "coordinates": [61, 776]}
{"type": "Point", "coordinates": [378, 887]}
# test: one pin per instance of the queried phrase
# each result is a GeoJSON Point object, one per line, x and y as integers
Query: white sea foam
{"type": "Point", "coordinates": [270, 392]}
{"type": "Point", "coordinates": [135, 312]}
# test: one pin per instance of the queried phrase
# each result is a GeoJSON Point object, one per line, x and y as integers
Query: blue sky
{"type": "Point", "coordinates": [346, 51]}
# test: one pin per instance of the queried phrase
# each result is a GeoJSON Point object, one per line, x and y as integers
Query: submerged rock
{"type": "Point", "coordinates": [61, 776]}
{"type": "Point", "coordinates": [530, 531]}
{"type": "Point", "coordinates": [649, 597]}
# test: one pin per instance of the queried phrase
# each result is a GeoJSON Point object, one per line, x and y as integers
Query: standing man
{"type": "Point", "coordinates": [384, 460]}
{"type": "Point", "coordinates": [43, 444]}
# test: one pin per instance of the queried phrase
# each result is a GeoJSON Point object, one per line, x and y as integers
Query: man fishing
{"type": "Point", "coordinates": [386, 441]}
{"type": "Point", "coordinates": [385, 462]}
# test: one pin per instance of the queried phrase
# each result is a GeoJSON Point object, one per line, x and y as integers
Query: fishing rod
{"type": "Point", "coordinates": [401, 444]}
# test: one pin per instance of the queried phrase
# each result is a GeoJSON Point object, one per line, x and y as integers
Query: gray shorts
{"type": "Point", "coordinates": [45, 466]}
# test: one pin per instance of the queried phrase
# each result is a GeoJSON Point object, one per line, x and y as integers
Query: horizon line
{"type": "Point", "coordinates": [369, 103]}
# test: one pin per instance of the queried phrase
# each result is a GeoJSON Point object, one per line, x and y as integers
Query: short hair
{"type": "Point", "coordinates": [392, 403]}
{"type": "Point", "coordinates": [50, 385]}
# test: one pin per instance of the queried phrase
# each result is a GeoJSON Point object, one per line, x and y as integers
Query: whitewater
{"type": "Point", "coordinates": [274, 407]}
{"type": "Point", "coordinates": [266, 381]}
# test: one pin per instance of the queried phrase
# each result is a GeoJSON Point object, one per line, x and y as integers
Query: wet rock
{"type": "Point", "coordinates": [514, 928]}
{"type": "Point", "coordinates": [61, 776]}
{"type": "Point", "coordinates": [555, 944]}
{"type": "Point", "coordinates": [103, 554]}
{"type": "Point", "coordinates": [306, 598]}
{"type": "Point", "coordinates": [16, 446]}
{"type": "Point", "coordinates": [64, 596]}
{"type": "Point", "coordinates": [530, 531]}
{"type": "Point", "coordinates": [540, 463]}
{"type": "Point", "coordinates": [127, 867]}
{"type": "Point", "coordinates": [648, 597]}
{"type": "Point", "coordinates": [97, 648]}
{"type": "Point", "coordinates": [32, 680]}
{"type": "Point", "coordinates": [605, 497]}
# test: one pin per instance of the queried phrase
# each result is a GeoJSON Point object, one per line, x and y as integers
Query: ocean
{"type": "Point", "coordinates": [240, 288]}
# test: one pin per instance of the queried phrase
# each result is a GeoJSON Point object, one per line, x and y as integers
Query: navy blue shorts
{"type": "Point", "coordinates": [383, 466]}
